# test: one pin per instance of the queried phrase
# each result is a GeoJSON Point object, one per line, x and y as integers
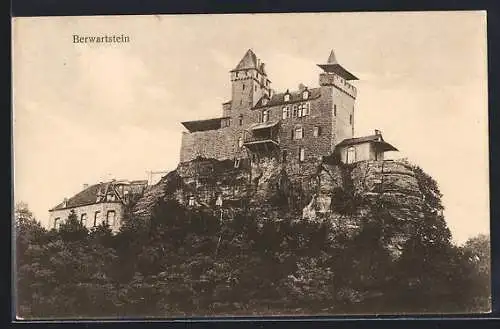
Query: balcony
{"type": "Point", "coordinates": [262, 137]}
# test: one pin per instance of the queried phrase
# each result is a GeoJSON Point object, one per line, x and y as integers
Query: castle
{"type": "Point", "coordinates": [293, 126]}
{"type": "Point", "coordinates": [260, 135]}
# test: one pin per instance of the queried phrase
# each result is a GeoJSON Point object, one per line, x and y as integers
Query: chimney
{"type": "Point", "coordinates": [85, 186]}
{"type": "Point", "coordinates": [65, 202]}
{"type": "Point", "coordinates": [302, 87]}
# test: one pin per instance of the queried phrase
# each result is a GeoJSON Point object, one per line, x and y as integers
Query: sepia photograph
{"type": "Point", "coordinates": [250, 165]}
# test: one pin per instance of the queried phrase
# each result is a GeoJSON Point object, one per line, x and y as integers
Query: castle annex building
{"type": "Point", "coordinates": [98, 203]}
{"type": "Point", "coordinates": [294, 126]}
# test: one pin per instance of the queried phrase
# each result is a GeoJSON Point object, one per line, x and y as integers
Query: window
{"type": "Point", "coordinates": [334, 109]}
{"type": "Point", "coordinates": [295, 111]}
{"type": "Point", "coordinates": [283, 155]}
{"type": "Point", "coordinates": [287, 97]}
{"type": "Point", "coordinates": [83, 219]}
{"type": "Point", "coordinates": [298, 133]}
{"type": "Point", "coordinates": [236, 163]}
{"type": "Point", "coordinates": [286, 112]}
{"type": "Point", "coordinates": [57, 223]}
{"type": "Point", "coordinates": [302, 154]}
{"type": "Point", "coordinates": [243, 86]}
{"type": "Point", "coordinates": [299, 110]}
{"type": "Point", "coordinates": [96, 217]}
{"type": "Point", "coordinates": [191, 201]}
{"type": "Point", "coordinates": [240, 120]}
{"type": "Point", "coordinates": [111, 217]}
{"type": "Point", "coordinates": [265, 116]}
{"type": "Point", "coordinates": [237, 74]}
{"type": "Point", "coordinates": [240, 142]}
{"type": "Point", "coordinates": [351, 155]}
{"type": "Point", "coordinates": [316, 131]}
{"type": "Point", "coordinates": [305, 109]}
{"type": "Point", "coordinates": [350, 119]}
{"type": "Point", "coordinates": [305, 94]}
{"type": "Point", "coordinates": [264, 101]}
{"type": "Point", "coordinates": [226, 122]}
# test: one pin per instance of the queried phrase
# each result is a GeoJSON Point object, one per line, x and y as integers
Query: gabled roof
{"type": "Point", "coordinates": [90, 194]}
{"type": "Point", "coordinates": [378, 140]}
{"type": "Point", "coordinates": [250, 61]}
{"type": "Point", "coordinates": [202, 125]}
{"type": "Point", "coordinates": [332, 66]}
{"type": "Point", "coordinates": [295, 96]}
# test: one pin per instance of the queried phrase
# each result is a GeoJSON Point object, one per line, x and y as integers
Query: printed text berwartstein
{"type": "Point", "coordinates": [101, 38]}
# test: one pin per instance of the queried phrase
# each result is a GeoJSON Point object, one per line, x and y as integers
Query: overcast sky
{"type": "Point", "coordinates": [86, 113]}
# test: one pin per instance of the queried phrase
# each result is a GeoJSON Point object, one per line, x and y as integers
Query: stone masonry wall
{"type": "Point", "coordinates": [90, 210]}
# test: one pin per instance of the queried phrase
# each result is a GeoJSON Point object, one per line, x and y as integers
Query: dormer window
{"type": "Point", "coordinates": [305, 94]}
{"type": "Point", "coordinates": [287, 98]}
{"type": "Point", "coordinates": [264, 101]}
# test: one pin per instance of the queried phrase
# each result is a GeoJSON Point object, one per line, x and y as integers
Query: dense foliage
{"type": "Point", "coordinates": [186, 263]}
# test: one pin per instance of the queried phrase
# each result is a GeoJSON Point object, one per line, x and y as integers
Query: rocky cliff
{"type": "Point", "coordinates": [393, 194]}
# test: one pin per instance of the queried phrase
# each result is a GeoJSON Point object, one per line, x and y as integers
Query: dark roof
{"type": "Point", "coordinates": [89, 195]}
{"type": "Point", "coordinates": [250, 61]}
{"type": "Point", "coordinates": [263, 125]}
{"type": "Point", "coordinates": [295, 96]}
{"type": "Point", "coordinates": [359, 140]}
{"type": "Point", "coordinates": [202, 125]}
{"type": "Point", "coordinates": [378, 140]}
{"type": "Point", "coordinates": [333, 66]}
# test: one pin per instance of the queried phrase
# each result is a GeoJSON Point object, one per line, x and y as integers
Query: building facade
{"type": "Point", "coordinates": [298, 125]}
{"type": "Point", "coordinates": [95, 204]}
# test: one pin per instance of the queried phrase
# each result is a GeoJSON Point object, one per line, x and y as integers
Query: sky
{"type": "Point", "coordinates": [87, 113]}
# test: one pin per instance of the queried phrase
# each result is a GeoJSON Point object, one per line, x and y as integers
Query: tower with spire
{"type": "Point", "coordinates": [335, 78]}
{"type": "Point", "coordinates": [249, 82]}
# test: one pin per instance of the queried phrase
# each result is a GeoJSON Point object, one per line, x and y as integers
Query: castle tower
{"type": "Point", "coordinates": [336, 79]}
{"type": "Point", "coordinates": [249, 82]}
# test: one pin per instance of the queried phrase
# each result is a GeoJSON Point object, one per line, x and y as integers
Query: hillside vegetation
{"type": "Point", "coordinates": [360, 258]}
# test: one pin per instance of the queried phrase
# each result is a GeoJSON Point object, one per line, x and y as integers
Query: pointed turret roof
{"type": "Point", "coordinates": [332, 66]}
{"type": "Point", "coordinates": [250, 61]}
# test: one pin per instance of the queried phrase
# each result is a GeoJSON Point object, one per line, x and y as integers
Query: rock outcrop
{"type": "Point", "coordinates": [345, 195]}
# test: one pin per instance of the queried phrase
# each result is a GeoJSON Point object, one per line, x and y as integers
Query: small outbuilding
{"type": "Point", "coordinates": [364, 148]}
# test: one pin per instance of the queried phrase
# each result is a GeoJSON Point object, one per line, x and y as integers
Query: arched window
{"type": "Point", "coordinates": [351, 155]}
{"type": "Point", "coordinates": [57, 223]}
{"type": "Point", "coordinates": [111, 217]}
{"type": "Point", "coordinates": [305, 94]}
{"type": "Point", "coordinates": [265, 116]}
{"type": "Point", "coordinates": [287, 98]}
{"type": "Point", "coordinates": [240, 119]}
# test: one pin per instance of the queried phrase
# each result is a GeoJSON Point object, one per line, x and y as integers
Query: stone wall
{"type": "Point", "coordinates": [101, 209]}
{"type": "Point", "coordinates": [218, 144]}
